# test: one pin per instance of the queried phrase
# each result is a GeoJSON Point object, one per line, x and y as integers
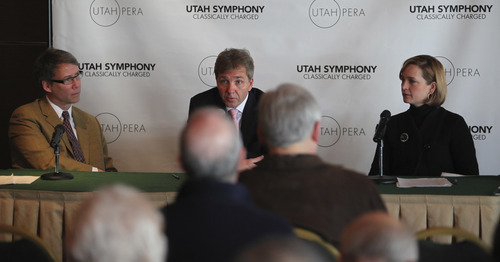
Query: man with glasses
{"type": "Point", "coordinates": [82, 147]}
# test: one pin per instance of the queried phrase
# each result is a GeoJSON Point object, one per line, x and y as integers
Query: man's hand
{"type": "Point", "coordinates": [247, 164]}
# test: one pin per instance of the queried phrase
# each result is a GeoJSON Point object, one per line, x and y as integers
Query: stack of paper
{"type": "Point", "coordinates": [8, 180]}
{"type": "Point", "coordinates": [423, 182]}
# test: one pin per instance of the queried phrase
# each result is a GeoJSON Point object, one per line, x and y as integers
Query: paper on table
{"type": "Point", "coordinates": [445, 174]}
{"type": "Point", "coordinates": [423, 182]}
{"type": "Point", "coordinates": [8, 180]}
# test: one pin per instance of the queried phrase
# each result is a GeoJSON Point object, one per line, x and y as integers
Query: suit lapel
{"type": "Point", "coordinates": [248, 118]}
{"type": "Point", "coordinates": [49, 113]}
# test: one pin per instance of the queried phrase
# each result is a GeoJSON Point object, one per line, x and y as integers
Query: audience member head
{"type": "Point", "coordinates": [433, 86]}
{"type": "Point", "coordinates": [377, 236]}
{"type": "Point", "coordinates": [288, 115]}
{"type": "Point", "coordinates": [234, 75]}
{"type": "Point", "coordinates": [117, 224]}
{"type": "Point", "coordinates": [211, 146]}
{"type": "Point", "coordinates": [281, 249]}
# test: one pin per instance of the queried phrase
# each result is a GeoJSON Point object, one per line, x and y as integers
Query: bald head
{"type": "Point", "coordinates": [210, 145]}
{"type": "Point", "coordinates": [378, 237]}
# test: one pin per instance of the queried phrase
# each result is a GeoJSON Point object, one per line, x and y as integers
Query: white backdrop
{"type": "Point", "coordinates": [143, 60]}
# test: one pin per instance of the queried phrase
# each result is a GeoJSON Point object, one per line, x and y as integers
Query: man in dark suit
{"type": "Point", "coordinates": [213, 218]}
{"type": "Point", "coordinates": [32, 125]}
{"type": "Point", "coordinates": [234, 93]}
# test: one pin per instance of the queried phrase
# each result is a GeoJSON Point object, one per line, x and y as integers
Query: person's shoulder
{"type": "Point", "coordinates": [271, 220]}
{"type": "Point", "coordinates": [253, 174]}
{"type": "Point", "coordinates": [208, 97]}
{"type": "Point", "coordinates": [29, 106]}
{"type": "Point", "coordinates": [81, 112]}
{"type": "Point", "coordinates": [450, 117]}
{"type": "Point", "coordinates": [346, 174]}
{"type": "Point", "coordinates": [256, 92]}
{"type": "Point", "coordinates": [207, 93]}
{"type": "Point", "coordinates": [448, 113]}
{"type": "Point", "coordinates": [85, 118]}
{"type": "Point", "coordinates": [266, 219]}
{"type": "Point", "coordinates": [400, 115]}
{"type": "Point", "coordinates": [29, 109]}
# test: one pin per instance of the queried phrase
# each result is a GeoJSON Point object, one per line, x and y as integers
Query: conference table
{"type": "Point", "coordinates": [470, 203]}
{"type": "Point", "coordinates": [47, 207]}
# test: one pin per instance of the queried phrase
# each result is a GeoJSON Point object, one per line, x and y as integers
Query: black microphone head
{"type": "Point", "coordinates": [385, 114]}
{"type": "Point", "coordinates": [59, 128]}
{"type": "Point", "coordinates": [57, 135]}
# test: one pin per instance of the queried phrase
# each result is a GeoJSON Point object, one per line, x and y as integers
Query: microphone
{"type": "Point", "coordinates": [57, 135]}
{"type": "Point", "coordinates": [382, 124]}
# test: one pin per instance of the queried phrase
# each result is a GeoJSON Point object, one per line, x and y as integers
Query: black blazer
{"type": "Point", "coordinates": [443, 143]}
{"type": "Point", "coordinates": [248, 122]}
{"type": "Point", "coordinates": [214, 221]}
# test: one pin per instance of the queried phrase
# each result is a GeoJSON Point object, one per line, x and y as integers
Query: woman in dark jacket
{"type": "Point", "coordinates": [427, 139]}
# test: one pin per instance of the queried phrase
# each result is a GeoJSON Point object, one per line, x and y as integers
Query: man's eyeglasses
{"type": "Point", "coordinates": [69, 80]}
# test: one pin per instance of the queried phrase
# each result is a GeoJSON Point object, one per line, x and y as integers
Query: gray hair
{"type": "Point", "coordinates": [117, 224]}
{"type": "Point", "coordinates": [287, 115]}
{"type": "Point", "coordinates": [378, 235]}
{"type": "Point", "coordinates": [210, 145]}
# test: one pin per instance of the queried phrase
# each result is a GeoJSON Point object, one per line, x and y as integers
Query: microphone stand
{"type": "Point", "coordinates": [381, 179]}
{"type": "Point", "coordinates": [57, 175]}
{"type": "Point", "coordinates": [381, 157]}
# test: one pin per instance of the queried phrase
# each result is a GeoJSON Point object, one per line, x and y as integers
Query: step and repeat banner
{"type": "Point", "coordinates": [144, 59]}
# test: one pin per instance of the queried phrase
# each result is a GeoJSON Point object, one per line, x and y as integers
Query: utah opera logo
{"type": "Point", "coordinates": [206, 71]}
{"type": "Point", "coordinates": [324, 13]}
{"type": "Point", "coordinates": [330, 132]}
{"type": "Point", "coordinates": [111, 126]}
{"type": "Point", "coordinates": [449, 68]}
{"type": "Point", "coordinates": [105, 12]}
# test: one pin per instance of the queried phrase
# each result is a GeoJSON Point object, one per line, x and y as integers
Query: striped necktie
{"type": "Point", "coordinates": [77, 150]}
{"type": "Point", "coordinates": [234, 115]}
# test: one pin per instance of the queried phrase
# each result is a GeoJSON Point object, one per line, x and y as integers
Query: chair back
{"type": "Point", "coordinates": [313, 237]}
{"type": "Point", "coordinates": [465, 247]}
{"type": "Point", "coordinates": [29, 247]}
{"type": "Point", "coordinates": [458, 233]}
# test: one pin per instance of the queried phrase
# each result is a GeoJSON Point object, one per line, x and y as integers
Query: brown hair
{"type": "Point", "coordinates": [46, 64]}
{"type": "Point", "coordinates": [432, 71]}
{"type": "Point", "coordinates": [233, 58]}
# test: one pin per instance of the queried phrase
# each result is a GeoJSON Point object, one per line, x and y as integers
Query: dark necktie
{"type": "Point", "coordinates": [77, 151]}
